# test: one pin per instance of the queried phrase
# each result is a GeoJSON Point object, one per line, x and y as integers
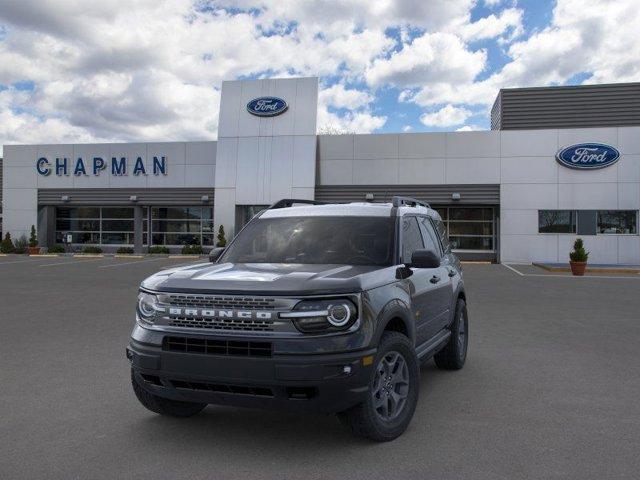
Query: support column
{"type": "Point", "coordinates": [46, 226]}
{"type": "Point", "coordinates": [138, 215]}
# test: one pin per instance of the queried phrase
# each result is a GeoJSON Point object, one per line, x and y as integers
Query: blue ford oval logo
{"type": "Point", "coordinates": [588, 156]}
{"type": "Point", "coordinates": [267, 106]}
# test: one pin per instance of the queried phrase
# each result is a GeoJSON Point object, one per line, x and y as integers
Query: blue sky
{"type": "Point", "coordinates": [77, 71]}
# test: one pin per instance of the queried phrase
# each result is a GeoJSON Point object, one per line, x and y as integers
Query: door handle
{"type": "Point", "coordinates": [435, 279]}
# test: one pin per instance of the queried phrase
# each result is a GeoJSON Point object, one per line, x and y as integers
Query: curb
{"type": "Point", "coordinates": [88, 255]}
{"type": "Point", "coordinates": [127, 255]}
{"type": "Point", "coordinates": [45, 255]}
{"type": "Point", "coordinates": [606, 270]}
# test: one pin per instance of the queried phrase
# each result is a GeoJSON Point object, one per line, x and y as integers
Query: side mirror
{"type": "Point", "coordinates": [425, 259]}
{"type": "Point", "coordinates": [215, 254]}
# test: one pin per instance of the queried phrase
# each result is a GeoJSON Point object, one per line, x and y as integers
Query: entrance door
{"type": "Point", "coordinates": [472, 230]}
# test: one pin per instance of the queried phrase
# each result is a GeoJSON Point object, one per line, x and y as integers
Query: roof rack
{"type": "Point", "coordinates": [290, 202]}
{"type": "Point", "coordinates": [408, 202]}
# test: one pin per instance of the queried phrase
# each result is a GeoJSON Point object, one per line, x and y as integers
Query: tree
{"type": "Point", "coordinates": [222, 241]}
{"type": "Point", "coordinates": [7, 244]}
{"type": "Point", "coordinates": [33, 238]}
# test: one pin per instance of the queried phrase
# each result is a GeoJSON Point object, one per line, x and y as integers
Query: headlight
{"type": "Point", "coordinates": [147, 306]}
{"type": "Point", "coordinates": [320, 316]}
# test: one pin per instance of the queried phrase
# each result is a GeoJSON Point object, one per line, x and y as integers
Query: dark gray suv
{"type": "Point", "coordinates": [312, 307]}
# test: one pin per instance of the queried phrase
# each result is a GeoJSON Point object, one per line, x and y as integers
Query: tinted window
{"type": "Point", "coordinates": [556, 221]}
{"type": "Point", "coordinates": [442, 233]}
{"type": "Point", "coordinates": [411, 238]}
{"type": "Point", "coordinates": [315, 240]}
{"type": "Point", "coordinates": [429, 235]}
{"type": "Point", "coordinates": [617, 221]}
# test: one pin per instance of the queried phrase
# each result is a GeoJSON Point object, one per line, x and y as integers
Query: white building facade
{"type": "Point", "coordinates": [502, 193]}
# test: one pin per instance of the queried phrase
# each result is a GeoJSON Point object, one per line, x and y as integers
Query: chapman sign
{"type": "Point", "coordinates": [588, 156]}
{"type": "Point", "coordinates": [118, 166]}
{"type": "Point", "coordinates": [267, 106]}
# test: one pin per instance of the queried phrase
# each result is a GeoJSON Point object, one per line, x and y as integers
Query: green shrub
{"type": "Point", "coordinates": [158, 249]}
{"type": "Point", "coordinates": [57, 248]}
{"type": "Point", "coordinates": [33, 238]}
{"type": "Point", "coordinates": [124, 251]}
{"type": "Point", "coordinates": [20, 245]}
{"type": "Point", "coordinates": [192, 250]}
{"type": "Point", "coordinates": [579, 254]}
{"type": "Point", "coordinates": [7, 244]}
{"type": "Point", "coordinates": [91, 249]}
{"type": "Point", "coordinates": [222, 241]}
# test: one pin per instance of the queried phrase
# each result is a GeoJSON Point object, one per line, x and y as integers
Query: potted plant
{"type": "Point", "coordinates": [33, 249]}
{"type": "Point", "coordinates": [578, 258]}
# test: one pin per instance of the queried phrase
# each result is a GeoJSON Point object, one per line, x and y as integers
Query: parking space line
{"type": "Point", "coordinates": [130, 263]}
{"type": "Point", "coordinates": [72, 262]}
{"type": "Point", "coordinates": [513, 269]}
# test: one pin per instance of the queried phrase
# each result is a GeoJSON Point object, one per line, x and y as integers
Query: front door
{"type": "Point", "coordinates": [423, 288]}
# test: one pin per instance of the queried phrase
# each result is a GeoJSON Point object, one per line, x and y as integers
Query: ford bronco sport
{"type": "Point", "coordinates": [312, 307]}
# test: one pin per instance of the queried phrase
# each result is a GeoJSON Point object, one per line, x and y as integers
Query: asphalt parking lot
{"type": "Point", "coordinates": [551, 389]}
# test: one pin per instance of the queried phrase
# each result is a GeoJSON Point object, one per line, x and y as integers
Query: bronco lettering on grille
{"type": "Point", "coordinates": [215, 313]}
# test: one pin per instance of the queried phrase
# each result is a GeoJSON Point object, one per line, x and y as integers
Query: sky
{"type": "Point", "coordinates": [74, 71]}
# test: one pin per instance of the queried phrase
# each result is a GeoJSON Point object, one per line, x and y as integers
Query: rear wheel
{"type": "Point", "coordinates": [164, 406]}
{"type": "Point", "coordinates": [393, 392]}
{"type": "Point", "coordinates": [454, 354]}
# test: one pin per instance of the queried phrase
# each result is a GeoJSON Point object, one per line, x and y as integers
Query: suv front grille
{"type": "Point", "coordinates": [244, 325]}
{"type": "Point", "coordinates": [213, 301]}
{"type": "Point", "coordinates": [217, 347]}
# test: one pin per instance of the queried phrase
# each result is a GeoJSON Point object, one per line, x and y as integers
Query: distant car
{"type": "Point", "coordinates": [312, 307]}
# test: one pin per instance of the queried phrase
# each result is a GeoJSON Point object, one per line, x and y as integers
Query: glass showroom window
{"type": "Point", "coordinates": [469, 228]}
{"type": "Point", "coordinates": [95, 225]}
{"type": "Point", "coordinates": [556, 221]}
{"type": "Point", "coordinates": [182, 225]}
{"type": "Point", "coordinates": [618, 221]}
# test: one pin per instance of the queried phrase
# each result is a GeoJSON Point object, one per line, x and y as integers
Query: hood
{"type": "Point", "coordinates": [270, 279]}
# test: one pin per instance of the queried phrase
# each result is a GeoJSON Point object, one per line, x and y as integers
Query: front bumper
{"type": "Point", "coordinates": [327, 383]}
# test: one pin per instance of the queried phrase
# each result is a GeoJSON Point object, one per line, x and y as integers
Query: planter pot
{"type": "Point", "coordinates": [33, 250]}
{"type": "Point", "coordinates": [578, 268]}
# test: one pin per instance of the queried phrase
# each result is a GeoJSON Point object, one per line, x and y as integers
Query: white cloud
{"type": "Point", "coordinates": [407, 128]}
{"type": "Point", "coordinates": [447, 116]}
{"type": "Point", "coordinates": [340, 97]}
{"type": "Point", "coordinates": [433, 57]}
{"type": "Point", "coordinates": [469, 128]}
{"type": "Point", "coordinates": [508, 22]}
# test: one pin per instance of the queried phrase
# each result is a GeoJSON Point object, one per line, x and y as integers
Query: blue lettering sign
{"type": "Point", "coordinates": [588, 156]}
{"type": "Point", "coordinates": [42, 165]}
{"type": "Point", "coordinates": [79, 170]}
{"type": "Point", "coordinates": [98, 165]}
{"type": "Point", "coordinates": [159, 166]}
{"type": "Point", "coordinates": [118, 167]}
{"type": "Point", "coordinates": [61, 166]}
{"type": "Point", "coordinates": [139, 167]}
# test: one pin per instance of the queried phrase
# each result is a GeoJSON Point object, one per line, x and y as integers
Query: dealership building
{"type": "Point", "coordinates": [559, 162]}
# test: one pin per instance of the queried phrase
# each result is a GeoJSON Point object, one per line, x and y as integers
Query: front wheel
{"type": "Point", "coordinates": [454, 354]}
{"type": "Point", "coordinates": [393, 392]}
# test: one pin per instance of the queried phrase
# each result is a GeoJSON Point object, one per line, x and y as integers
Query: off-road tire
{"type": "Point", "coordinates": [363, 420]}
{"type": "Point", "coordinates": [164, 406]}
{"type": "Point", "coordinates": [454, 354]}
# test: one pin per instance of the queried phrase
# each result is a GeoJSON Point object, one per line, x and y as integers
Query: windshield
{"type": "Point", "coordinates": [318, 240]}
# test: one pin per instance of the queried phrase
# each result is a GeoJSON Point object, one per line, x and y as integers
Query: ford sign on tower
{"type": "Point", "coordinates": [588, 156]}
{"type": "Point", "coordinates": [267, 106]}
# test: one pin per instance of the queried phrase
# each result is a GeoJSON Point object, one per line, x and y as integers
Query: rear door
{"type": "Point", "coordinates": [420, 282]}
{"type": "Point", "coordinates": [442, 294]}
